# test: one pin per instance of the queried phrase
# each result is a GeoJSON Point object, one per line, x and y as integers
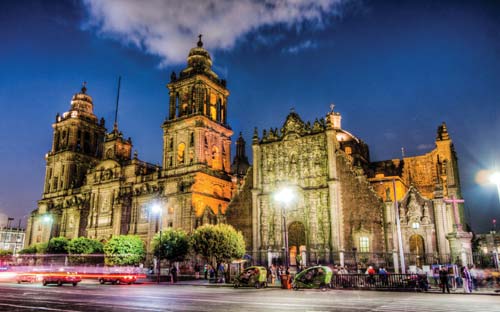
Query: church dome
{"type": "Point", "coordinates": [199, 60]}
{"type": "Point", "coordinates": [82, 102]}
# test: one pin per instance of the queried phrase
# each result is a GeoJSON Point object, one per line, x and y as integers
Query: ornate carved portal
{"type": "Point", "coordinates": [297, 242]}
{"type": "Point", "coordinates": [417, 249]}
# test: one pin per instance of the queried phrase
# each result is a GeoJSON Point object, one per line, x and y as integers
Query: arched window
{"type": "Point", "coordinates": [219, 107]}
{"type": "Point", "coordinates": [177, 104]}
{"type": "Point", "coordinates": [181, 148]}
{"type": "Point", "coordinates": [215, 158]}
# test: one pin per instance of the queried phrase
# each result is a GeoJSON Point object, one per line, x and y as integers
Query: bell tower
{"type": "Point", "coordinates": [197, 144]}
{"type": "Point", "coordinates": [76, 146]}
{"type": "Point", "coordinates": [196, 133]}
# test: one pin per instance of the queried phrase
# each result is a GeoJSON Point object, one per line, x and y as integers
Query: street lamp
{"type": "Point", "coordinates": [285, 196]}
{"type": "Point", "coordinates": [156, 210]}
{"type": "Point", "coordinates": [495, 179]}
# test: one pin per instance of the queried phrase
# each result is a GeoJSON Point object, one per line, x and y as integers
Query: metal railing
{"type": "Point", "coordinates": [380, 281]}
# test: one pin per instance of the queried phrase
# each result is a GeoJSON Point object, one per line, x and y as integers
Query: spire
{"type": "Point", "coordinates": [442, 133]}
{"type": "Point", "coordinates": [240, 162]}
{"type": "Point", "coordinates": [115, 125]}
{"type": "Point", "coordinates": [200, 43]}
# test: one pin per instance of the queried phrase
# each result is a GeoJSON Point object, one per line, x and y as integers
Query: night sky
{"type": "Point", "coordinates": [394, 69]}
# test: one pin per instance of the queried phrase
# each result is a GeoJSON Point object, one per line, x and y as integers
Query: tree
{"type": "Point", "coordinates": [174, 245]}
{"type": "Point", "coordinates": [57, 245]}
{"type": "Point", "coordinates": [31, 250]}
{"type": "Point", "coordinates": [218, 243]}
{"type": "Point", "coordinates": [41, 248]}
{"type": "Point", "coordinates": [80, 248]}
{"type": "Point", "coordinates": [5, 255]}
{"type": "Point", "coordinates": [124, 250]}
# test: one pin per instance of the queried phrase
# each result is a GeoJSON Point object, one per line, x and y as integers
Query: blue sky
{"type": "Point", "coordinates": [394, 69]}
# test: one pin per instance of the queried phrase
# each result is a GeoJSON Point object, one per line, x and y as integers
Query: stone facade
{"type": "Point", "coordinates": [341, 203]}
{"type": "Point", "coordinates": [94, 187]}
{"type": "Point", "coordinates": [334, 207]}
{"type": "Point", "coordinates": [423, 184]}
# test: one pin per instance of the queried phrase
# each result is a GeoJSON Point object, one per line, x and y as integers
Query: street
{"type": "Point", "coordinates": [151, 297]}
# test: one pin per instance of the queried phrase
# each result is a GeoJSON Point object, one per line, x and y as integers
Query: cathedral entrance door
{"type": "Point", "coordinates": [417, 249]}
{"type": "Point", "coordinates": [297, 242]}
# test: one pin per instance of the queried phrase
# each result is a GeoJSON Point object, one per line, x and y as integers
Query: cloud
{"type": "Point", "coordinates": [169, 28]}
{"type": "Point", "coordinates": [308, 44]}
{"type": "Point", "coordinates": [425, 146]}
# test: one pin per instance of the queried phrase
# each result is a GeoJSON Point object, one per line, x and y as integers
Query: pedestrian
{"type": "Point", "coordinates": [382, 275]}
{"type": "Point", "coordinates": [222, 273]}
{"type": "Point", "coordinates": [205, 270]}
{"type": "Point", "coordinates": [467, 280]}
{"type": "Point", "coordinates": [474, 274]}
{"type": "Point", "coordinates": [211, 273]}
{"type": "Point", "coordinates": [173, 274]}
{"type": "Point", "coordinates": [273, 274]}
{"type": "Point", "coordinates": [443, 278]}
{"type": "Point", "coordinates": [197, 271]}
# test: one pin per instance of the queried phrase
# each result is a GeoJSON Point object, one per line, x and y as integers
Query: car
{"type": "Point", "coordinates": [60, 278]}
{"type": "Point", "coordinates": [117, 278]}
{"type": "Point", "coordinates": [26, 277]}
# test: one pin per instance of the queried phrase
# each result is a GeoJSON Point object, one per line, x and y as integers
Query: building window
{"type": "Point", "coordinates": [180, 153]}
{"type": "Point", "coordinates": [415, 225]}
{"type": "Point", "coordinates": [191, 139]}
{"type": "Point", "coordinates": [170, 224]}
{"type": "Point", "coordinates": [364, 244]}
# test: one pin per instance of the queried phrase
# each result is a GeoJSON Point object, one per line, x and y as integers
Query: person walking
{"type": "Point", "coordinates": [443, 278]}
{"type": "Point", "coordinates": [467, 280]}
{"type": "Point", "coordinates": [173, 272]}
{"type": "Point", "coordinates": [197, 271]}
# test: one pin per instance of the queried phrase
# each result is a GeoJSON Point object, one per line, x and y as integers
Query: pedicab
{"type": "Point", "coordinates": [313, 277]}
{"type": "Point", "coordinates": [255, 276]}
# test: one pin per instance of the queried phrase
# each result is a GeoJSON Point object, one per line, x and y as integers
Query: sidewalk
{"type": "Point", "coordinates": [206, 283]}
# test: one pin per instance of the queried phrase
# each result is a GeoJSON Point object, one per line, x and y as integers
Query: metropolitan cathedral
{"type": "Point", "coordinates": [342, 207]}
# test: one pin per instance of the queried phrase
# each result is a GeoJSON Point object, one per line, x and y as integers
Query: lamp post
{"type": "Point", "coordinates": [156, 210]}
{"type": "Point", "coordinates": [398, 228]}
{"type": "Point", "coordinates": [495, 179]}
{"type": "Point", "coordinates": [354, 249]}
{"type": "Point", "coordinates": [285, 196]}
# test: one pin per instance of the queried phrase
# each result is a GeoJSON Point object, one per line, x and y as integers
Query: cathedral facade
{"type": "Point", "coordinates": [341, 204]}
{"type": "Point", "coordinates": [95, 187]}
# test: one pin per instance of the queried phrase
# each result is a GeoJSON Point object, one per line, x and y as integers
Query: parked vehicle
{"type": "Point", "coordinates": [60, 278]}
{"type": "Point", "coordinates": [313, 277]}
{"type": "Point", "coordinates": [117, 279]}
{"type": "Point", "coordinates": [254, 276]}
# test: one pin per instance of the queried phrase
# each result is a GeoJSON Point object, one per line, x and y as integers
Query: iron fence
{"type": "Point", "coordinates": [380, 281]}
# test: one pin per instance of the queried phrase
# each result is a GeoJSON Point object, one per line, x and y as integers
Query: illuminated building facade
{"type": "Point", "coordinates": [343, 203]}
{"type": "Point", "coordinates": [94, 187]}
{"type": "Point", "coordinates": [343, 206]}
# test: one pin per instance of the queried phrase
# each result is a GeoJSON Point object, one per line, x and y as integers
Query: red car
{"type": "Point", "coordinates": [60, 278]}
{"type": "Point", "coordinates": [117, 279]}
{"type": "Point", "coordinates": [26, 277]}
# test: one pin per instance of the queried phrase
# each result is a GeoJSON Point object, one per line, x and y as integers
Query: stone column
{"type": "Point", "coordinates": [395, 259]}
